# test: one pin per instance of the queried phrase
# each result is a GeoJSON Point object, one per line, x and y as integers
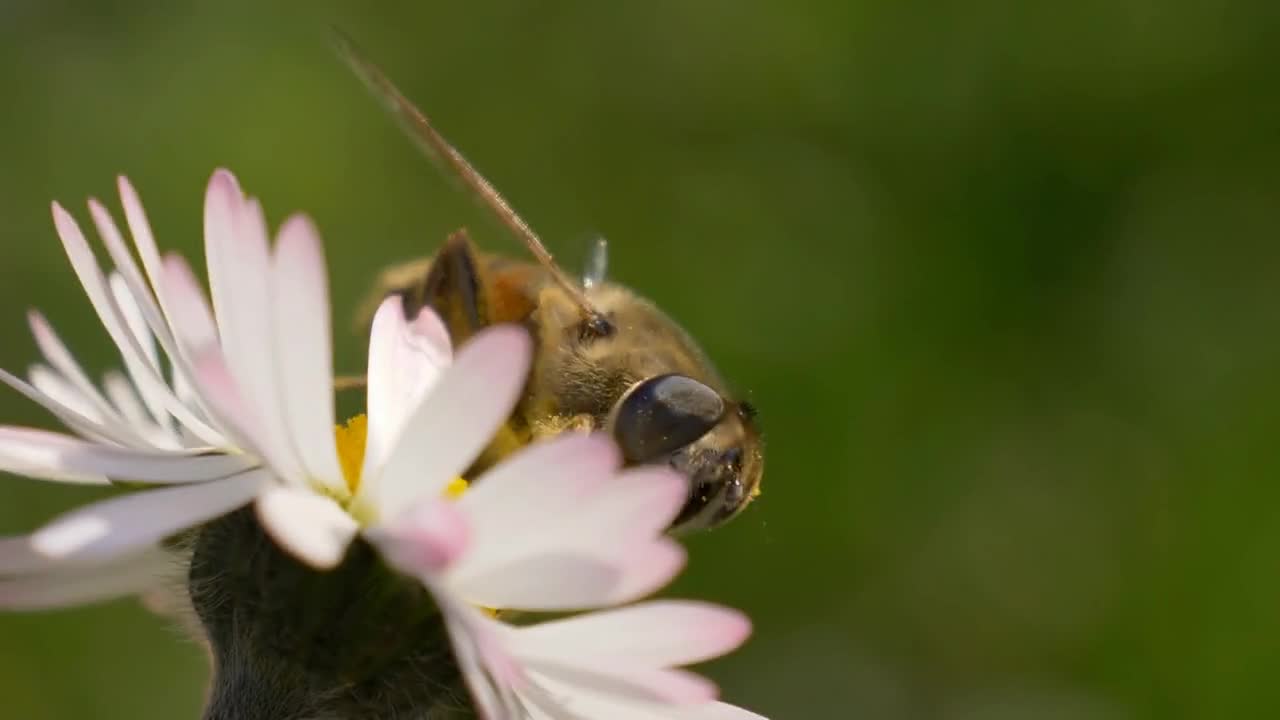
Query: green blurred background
{"type": "Point", "coordinates": [1000, 277]}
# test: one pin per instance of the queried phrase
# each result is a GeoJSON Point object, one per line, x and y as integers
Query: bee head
{"type": "Point", "coordinates": [680, 421]}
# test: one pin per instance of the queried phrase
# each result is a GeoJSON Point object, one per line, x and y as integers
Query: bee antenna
{"type": "Point", "coordinates": [432, 143]}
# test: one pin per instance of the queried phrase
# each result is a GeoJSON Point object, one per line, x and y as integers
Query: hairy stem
{"type": "Point", "coordinates": [293, 643]}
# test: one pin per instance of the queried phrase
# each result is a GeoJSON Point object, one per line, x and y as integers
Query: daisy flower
{"type": "Point", "coordinates": [230, 404]}
{"type": "Point", "coordinates": [245, 412]}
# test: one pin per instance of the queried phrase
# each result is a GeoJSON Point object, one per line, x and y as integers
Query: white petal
{"type": "Point", "coordinates": [17, 556]}
{"type": "Point", "coordinates": [85, 426]}
{"type": "Point", "coordinates": [608, 577]}
{"type": "Point", "coordinates": [405, 359]}
{"type": "Point", "coordinates": [636, 505]}
{"type": "Point", "coordinates": [456, 420]}
{"type": "Point", "coordinates": [662, 633]}
{"type": "Point", "coordinates": [218, 389]}
{"type": "Point", "coordinates": [222, 202]}
{"type": "Point", "coordinates": [134, 322]}
{"type": "Point", "coordinates": [644, 570]}
{"type": "Point", "coordinates": [198, 318]}
{"type": "Point", "coordinates": [556, 699]}
{"type": "Point", "coordinates": [225, 400]}
{"type": "Point", "coordinates": [627, 683]}
{"type": "Point", "coordinates": [544, 582]}
{"type": "Point", "coordinates": [124, 398]}
{"type": "Point", "coordinates": [614, 523]}
{"type": "Point", "coordinates": [304, 348]}
{"type": "Point", "coordinates": [22, 464]}
{"type": "Point", "coordinates": [489, 671]}
{"type": "Point", "coordinates": [139, 292]}
{"type": "Point", "coordinates": [188, 310]}
{"type": "Point", "coordinates": [714, 711]}
{"type": "Point", "coordinates": [117, 526]}
{"type": "Point", "coordinates": [537, 485]}
{"type": "Point", "coordinates": [58, 356]}
{"type": "Point", "coordinates": [143, 239]}
{"type": "Point", "coordinates": [27, 448]}
{"type": "Point", "coordinates": [153, 393]}
{"type": "Point", "coordinates": [49, 382]}
{"type": "Point", "coordinates": [147, 378]}
{"type": "Point", "coordinates": [551, 699]}
{"type": "Point", "coordinates": [309, 526]}
{"type": "Point", "coordinates": [240, 282]}
{"type": "Point", "coordinates": [83, 585]}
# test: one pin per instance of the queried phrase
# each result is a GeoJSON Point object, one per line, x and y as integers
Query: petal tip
{"type": "Point", "coordinates": [60, 214]}
{"type": "Point", "coordinates": [223, 177]}
{"type": "Point", "coordinates": [298, 221]}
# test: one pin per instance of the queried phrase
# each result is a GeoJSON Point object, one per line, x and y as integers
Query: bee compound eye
{"type": "Point", "coordinates": [663, 414]}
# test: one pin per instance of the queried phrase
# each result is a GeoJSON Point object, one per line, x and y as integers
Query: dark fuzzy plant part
{"type": "Point", "coordinates": [288, 642]}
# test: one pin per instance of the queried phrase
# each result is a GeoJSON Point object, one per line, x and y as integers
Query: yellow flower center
{"type": "Point", "coordinates": [350, 440]}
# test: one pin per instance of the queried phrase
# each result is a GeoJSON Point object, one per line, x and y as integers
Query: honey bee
{"type": "Point", "coordinates": [605, 358]}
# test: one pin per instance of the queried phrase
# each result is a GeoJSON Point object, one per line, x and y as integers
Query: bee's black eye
{"type": "Point", "coordinates": [663, 414]}
{"type": "Point", "coordinates": [746, 410]}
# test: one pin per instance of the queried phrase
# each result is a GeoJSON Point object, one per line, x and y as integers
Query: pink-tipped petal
{"type": "Point", "coordinates": [645, 570]}
{"type": "Point", "coordinates": [678, 686]}
{"type": "Point", "coordinates": [424, 540]}
{"type": "Point", "coordinates": [304, 348]}
{"type": "Point", "coordinates": [225, 400]}
{"type": "Point", "coordinates": [188, 310]}
{"type": "Point", "coordinates": [551, 582]}
{"type": "Point", "coordinates": [624, 683]}
{"type": "Point", "coordinates": [537, 488]}
{"type": "Point", "coordinates": [658, 634]}
{"type": "Point", "coordinates": [405, 359]}
{"type": "Point", "coordinates": [553, 699]}
{"type": "Point", "coordinates": [118, 526]}
{"type": "Point", "coordinates": [308, 526]}
{"type": "Point", "coordinates": [714, 711]}
{"type": "Point", "coordinates": [489, 672]}
{"type": "Point", "coordinates": [552, 497]}
{"type": "Point", "coordinates": [635, 506]}
{"type": "Point", "coordinates": [456, 419]}
{"type": "Point", "coordinates": [240, 282]}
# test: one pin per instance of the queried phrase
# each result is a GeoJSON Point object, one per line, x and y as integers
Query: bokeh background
{"type": "Point", "coordinates": [1000, 276]}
